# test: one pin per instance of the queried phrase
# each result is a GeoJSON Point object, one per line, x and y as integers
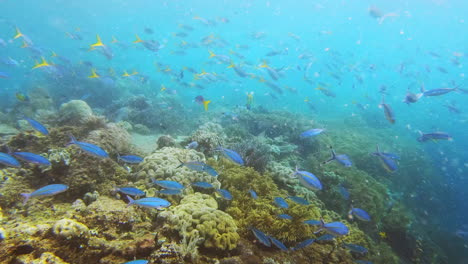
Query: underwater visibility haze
{"type": "Point", "coordinates": [233, 131]}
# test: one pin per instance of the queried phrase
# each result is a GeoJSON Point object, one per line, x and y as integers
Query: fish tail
{"type": "Point", "coordinates": [18, 34]}
{"type": "Point", "coordinates": [211, 54]}
{"type": "Point", "coordinates": [72, 139]}
{"type": "Point", "coordinates": [130, 201]}
{"type": "Point", "coordinates": [181, 163]}
{"type": "Point", "coordinates": [98, 42]}
{"type": "Point", "coordinates": [138, 39]}
{"type": "Point", "coordinates": [423, 90]}
{"type": "Point", "coordinates": [264, 65]}
{"type": "Point", "coordinates": [333, 152]}
{"type": "Point", "coordinates": [205, 104]}
{"type": "Point", "coordinates": [26, 197]}
{"type": "Point", "coordinates": [25, 44]}
{"type": "Point", "coordinates": [232, 65]}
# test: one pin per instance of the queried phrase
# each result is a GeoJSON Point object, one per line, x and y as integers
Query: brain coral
{"type": "Point", "coordinates": [68, 229]}
{"type": "Point", "coordinates": [197, 216]}
{"type": "Point", "coordinates": [163, 164]}
{"type": "Point", "coordinates": [75, 111]}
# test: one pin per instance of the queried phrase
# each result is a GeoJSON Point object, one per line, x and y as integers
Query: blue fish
{"type": "Point", "coordinates": [138, 261]}
{"type": "Point", "coordinates": [359, 214]}
{"type": "Point", "coordinates": [149, 202]}
{"type": "Point", "coordinates": [232, 155]}
{"type": "Point", "coordinates": [225, 194]}
{"type": "Point", "coordinates": [344, 192]}
{"type": "Point", "coordinates": [281, 202]}
{"type": "Point", "coordinates": [10, 62]}
{"type": "Point", "coordinates": [434, 136]}
{"type": "Point", "coordinates": [308, 179]}
{"type": "Point", "coordinates": [204, 185]}
{"type": "Point", "coordinates": [130, 191]}
{"type": "Point", "coordinates": [262, 238]}
{"type": "Point", "coordinates": [172, 185]}
{"type": "Point", "coordinates": [37, 126]}
{"type": "Point", "coordinates": [8, 160]}
{"type": "Point", "coordinates": [437, 91]}
{"type": "Point", "coordinates": [388, 163]}
{"type": "Point", "coordinates": [326, 237]}
{"type": "Point", "coordinates": [278, 243]}
{"type": "Point", "coordinates": [192, 145]}
{"type": "Point", "coordinates": [312, 222]}
{"type": "Point", "coordinates": [343, 159]}
{"type": "Point", "coordinates": [199, 166]}
{"type": "Point", "coordinates": [390, 155]}
{"type": "Point", "coordinates": [356, 248]}
{"type": "Point", "coordinates": [285, 216]}
{"type": "Point", "coordinates": [130, 159]}
{"type": "Point", "coordinates": [333, 228]}
{"type": "Point", "coordinates": [311, 132]}
{"type": "Point", "coordinates": [4, 75]}
{"type": "Point", "coordinates": [170, 192]}
{"type": "Point", "coordinates": [304, 244]}
{"type": "Point", "coordinates": [32, 158]}
{"type": "Point", "coordinates": [298, 200]}
{"type": "Point", "coordinates": [89, 148]}
{"type": "Point", "coordinates": [253, 194]}
{"type": "Point", "coordinates": [48, 190]}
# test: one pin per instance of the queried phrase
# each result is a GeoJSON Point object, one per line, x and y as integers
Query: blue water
{"type": "Point", "coordinates": [351, 54]}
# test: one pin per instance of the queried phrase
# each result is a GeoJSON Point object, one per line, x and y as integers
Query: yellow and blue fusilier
{"type": "Point", "coordinates": [342, 159]}
{"type": "Point", "coordinates": [387, 159]}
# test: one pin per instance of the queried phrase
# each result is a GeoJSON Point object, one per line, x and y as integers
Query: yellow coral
{"type": "Point", "coordinates": [197, 217]}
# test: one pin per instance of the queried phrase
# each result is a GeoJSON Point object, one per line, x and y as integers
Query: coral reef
{"type": "Point", "coordinates": [164, 164]}
{"type": "Point", "coordinates": [70, 229]}
{"type": "Point", "coordinates": [74, 112]}
{"type": "Point", "coordinates": [197, 218]}
{"type": "Point", "coordinates": [112, 138]}
{"type": "Point", "coordinates": [209, 136]}
{"type": "Point", "coordinates": [165, 141]}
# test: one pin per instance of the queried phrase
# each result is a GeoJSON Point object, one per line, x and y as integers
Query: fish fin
{"type": "Point", "coordinates": [130, 200]}
{"type": "Point", "coordinates": [138, 39]}
{"type": "Point", "coordinates": [25, 44]}
{"type": "Point", "coordinates": [18, 34]}
{"type": "Point", "coordinates": [232, 65]}
{"type": "Point", "coordinates": [205, 104]}
{"type": "Point", "coordinates": [93, 74]}
{"type": "Point", "coordinates": [181, 163]}
{"type": "Point", "coordinates": [264, 65]}
{"type": "Point", "coordinates": [211, 54]}
{"type": "Point", "coordinates": [72, 139]}
{"type": "Point", "coordinates": [114, 40]}
{"type": "Point", "coordinates": [98, 42]}
{"type": "Point", "coordinates": [26, 197]}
